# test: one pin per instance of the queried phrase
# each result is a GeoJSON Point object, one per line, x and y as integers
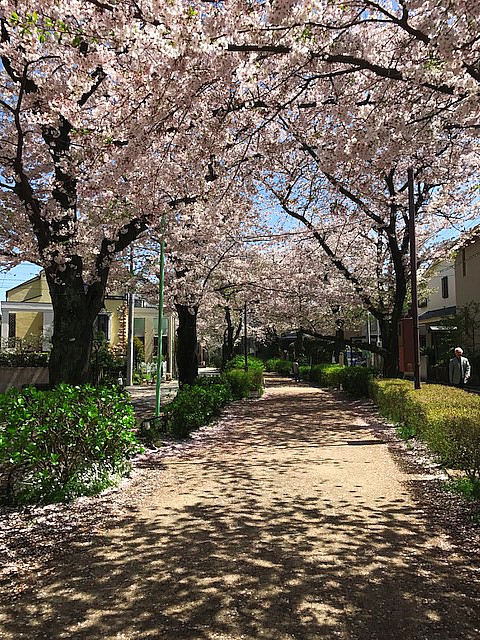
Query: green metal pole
{"type": "Point", "coordinates": [160, 329]}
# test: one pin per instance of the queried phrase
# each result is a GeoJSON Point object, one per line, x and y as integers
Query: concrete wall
{"type": "Point", "coordinates": [18, 376]}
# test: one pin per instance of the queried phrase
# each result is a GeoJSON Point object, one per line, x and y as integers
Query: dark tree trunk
{"type": "Point", "coordinates": [74, 310]}
{"type": "Point", "coordinates": [230, 336]}
{"type": "Point", "coordinates": [389, 333]}
{"type": "Point", "coordinates": [187, 358]}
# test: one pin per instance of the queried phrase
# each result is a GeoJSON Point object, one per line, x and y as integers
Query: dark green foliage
{"type": "Point", "coordinates": [194, 406]}
{"type": "Point", "coordinates": [406, 433]}
{"type": "Point", "coordinates": [355, 381]}
{"type": "Point", "coordinates": [55, 445]}
{"type": "Point", "coordinates": [283, 367]}
{"type": "Point", "coordinates": [24, 359]}
{"type": "Point", "coordinates": [238, 362]}
{"type": "Point", "coordinates": [326, 375]}
{"type": "Point", "coordinates": [305, 372]}
{"type": "Point", "coordinates": [106, 366]}
{"type": "Point", "coordinates": [244, 383]}
{"type": "Point", "coordinates": [466, 486]}
{"type": "Point", "coordinates": [138, 351]}
{"type": "Point", "coordinates": [445, 418]}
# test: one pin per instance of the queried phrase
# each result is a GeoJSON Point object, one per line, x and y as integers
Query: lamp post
{"type": "Point", "coordinates": [245, 345]}
{"type": "Point", "coordinates": [413, 270]}
{"type": "Point", "coordinates": [130, 333]}
{"type": "Point", "coordinates": [160, 328]}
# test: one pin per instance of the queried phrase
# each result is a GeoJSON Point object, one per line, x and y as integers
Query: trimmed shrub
{"type": "Point", "coordinates": [326, 375]}
{"type": "Point", "coordinates": [238, 362]}
{"type": "Point", "coordinates": [278, 365]}
{"type": "Point", "coordinates": [305, 372]}
{"type": "Point", "coordinates": [55, 445]}
{"type": "Point", "coordinates": [270, 364]}
{"type": "Point", "coordinates": [24, 359]}
{"type": "Point", "coordinates": [445, 418]}
{"type": "Point", "coordinates": [355, 381]}
{"type": "Point", "coordinates": [242, 383]}
{"type": "Point", "coordinates": [195, 406]}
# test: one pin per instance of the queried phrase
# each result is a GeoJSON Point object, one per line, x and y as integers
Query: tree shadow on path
{"type": "Point", "coordinates": [287, 521]}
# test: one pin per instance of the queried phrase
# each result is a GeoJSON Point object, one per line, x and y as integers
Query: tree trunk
{"type": "Point", "coordinates": [389, 333]}
{"type": "Point", "coordinates": [230, 336]}
{"type": "Point", "coordinates": [187, 359]}
{"type": "Point", "coordinates": [74, 312]}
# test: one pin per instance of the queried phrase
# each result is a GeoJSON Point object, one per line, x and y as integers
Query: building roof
{"type": "Point", "coordinates": [469, 237]}
{"type": "Point", "coordinates": [437, 313]}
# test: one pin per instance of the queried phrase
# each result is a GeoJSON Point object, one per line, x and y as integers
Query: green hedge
{"type": "Point", "coordinates": [195, 406]}
{"type": "Point", "coordinates": [445, 418]}
{"type": "Point", "coordinates": [55, 445]}
{"type": "Point", "coordinates": [244, 383]}
{"type": "Point", "coordinates": [354, 381]}
{"type": "Point", "coordinates": [277, 365]}
{"type": "Point", "coordinates": [238, 362]}
{"type": "Point", "coordinates": [25, 359]}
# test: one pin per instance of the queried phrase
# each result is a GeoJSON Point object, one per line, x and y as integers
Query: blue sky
{"type": "Point", "coordinates": [15, 276]}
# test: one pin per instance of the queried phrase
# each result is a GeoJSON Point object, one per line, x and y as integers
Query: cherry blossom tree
{"type": "Point", "coordinates": [114, 115]}
{"type": "Point", "coordinates": [106, 125]}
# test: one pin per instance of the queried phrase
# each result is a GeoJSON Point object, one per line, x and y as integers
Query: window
{"type": "Point", "coordinates": [164, 346]}
{"type": "Point", "coordinates": [12, 330]}
{"type": "Point", "coordinates": [445, 287]}
{"type": "Point", "coordinates": [12, 325]}
{"type": "Point", "coordinates": [103, 324]}
{"type": "Point", "coordinates": [139, 327]}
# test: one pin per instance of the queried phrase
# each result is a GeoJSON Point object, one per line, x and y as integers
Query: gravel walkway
{"type": "Point", "coordinates": [289, 519]}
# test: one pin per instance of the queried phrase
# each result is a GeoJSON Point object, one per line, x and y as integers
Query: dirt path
{"type": "Point", "coordinates": [287, 520]}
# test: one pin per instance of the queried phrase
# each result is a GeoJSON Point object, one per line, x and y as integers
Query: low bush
{"type": "Point", "coordinates": [277, 365]}
{"type": "Point", "coordinates": [325, 375]}
{"type": "Point", "coordinates": [244, 383]}
{"type": "Point", "coordinates": [305, 372]}
{"type": "Point", "coordinates": [270, 364]}
{"type": "Point", "coordinates": [24, 359]}
{"type": "Point", "coordinates": [445, 418]}
{"type": "Point", "coordinates": [355, 381]}
{"type": "Point", "coordinates": [194, 406]}
{"type": "Point", "coordinates": [55, 445]}
{"type": "Point", "coordinates": [238, 362]}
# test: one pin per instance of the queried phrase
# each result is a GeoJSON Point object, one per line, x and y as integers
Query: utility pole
{"type": "Point", "coordinates": [413, 270]}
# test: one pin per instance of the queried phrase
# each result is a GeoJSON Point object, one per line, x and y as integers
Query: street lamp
{"type": "Point", "coordinates": [245, 345]}
{"type": "Point", "coordinates": [160, 328]}
{"type": "Point", "coordinates": [413, 270]}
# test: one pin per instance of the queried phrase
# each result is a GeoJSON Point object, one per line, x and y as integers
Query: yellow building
{"type": "Point", "coordinates": [467, 268]}
{"type": "Point", "coordinates": [27, 321]}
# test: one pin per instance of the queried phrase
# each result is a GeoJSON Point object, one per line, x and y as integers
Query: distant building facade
{"type": "Point", "coordinates": [27, 321]}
